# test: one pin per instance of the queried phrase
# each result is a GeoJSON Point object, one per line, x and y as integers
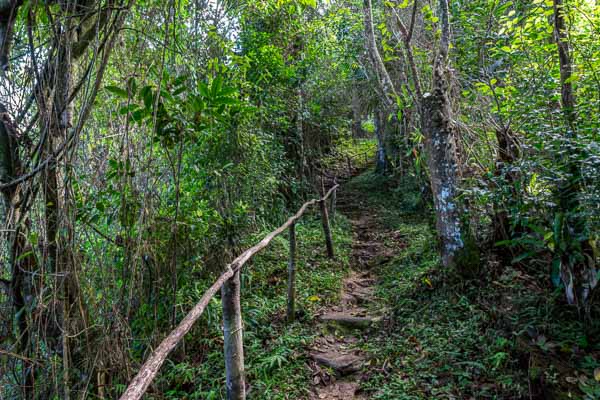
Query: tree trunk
{"type": "Point", "coordinates": [381, 163]}
{"type": "Point", "coordinates": [22, 267]}
{"type": "Point", "coordinates": [8, 16]}
{"type": "Point", "coordinates": [439, 133]}
{"type": "Point", "coordinates": [56, 189]}
{"type": "Point", "coordinates": [580, 279]}
{"type": "Point", "coordinates": [508, 153]}
{"type": "Point", "coordinates": [566, 66]}
{"type": "Point", "coordinates": [383, 76]}
{"type": "Point", "coordinates": [327, 229]}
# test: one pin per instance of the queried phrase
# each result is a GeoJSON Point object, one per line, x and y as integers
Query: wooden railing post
{"type": "Point", "coordinates": [326, 228]}
{"type": "Point", "coordinates": [233, 339]}
{"type": "Point", "coordinates": [333, 201]}
{"type": "Point", "coordinates": [291, 293]}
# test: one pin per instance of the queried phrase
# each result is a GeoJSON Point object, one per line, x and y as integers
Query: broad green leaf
{"type": "Point", "coordinates": [117, 91]}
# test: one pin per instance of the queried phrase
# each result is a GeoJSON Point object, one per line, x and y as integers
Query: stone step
{"type": "Point", "coordinates": [349, 321]}
{"type": "Point", "coordinates": [363, 294]}
{"type": "Point", "coordinates": [342, 363]}
{"type": "Point", "coordinates": [358, 282]}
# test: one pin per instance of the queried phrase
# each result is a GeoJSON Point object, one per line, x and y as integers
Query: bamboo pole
{"type": "Point", "coordinates": [291, 293]}
{"type": "Point", "coordinates": [233, 339]}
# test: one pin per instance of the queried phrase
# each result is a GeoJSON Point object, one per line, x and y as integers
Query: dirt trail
{"type": "Point", "coordinates": [338, 364]}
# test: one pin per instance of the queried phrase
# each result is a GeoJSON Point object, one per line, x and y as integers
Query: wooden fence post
{"type": "Point", "coordinates": [326, 228]}
{"type": "Point", "coordinates": [291, 294]}
{"type": "Point", "coordinates": [333, 201]}
{"type": "Point", "coordinates": [233, 339]}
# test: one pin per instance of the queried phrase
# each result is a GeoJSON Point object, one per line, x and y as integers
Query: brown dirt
{"type": "Point", "coordinates": [338, 364]}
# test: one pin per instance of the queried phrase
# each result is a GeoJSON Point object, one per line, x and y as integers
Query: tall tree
{"type": "Point", "coordinates": [440, 141]}
{"type": "Point", "coordinates": [577, 263]}
{"type": "Point", "coordinates": [386, 85]}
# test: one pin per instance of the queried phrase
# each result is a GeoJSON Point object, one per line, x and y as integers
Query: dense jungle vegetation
{"type": "Point", "coordinates": [452, 149]}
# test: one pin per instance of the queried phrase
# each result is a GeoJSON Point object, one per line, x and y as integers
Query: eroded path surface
{"type": "Point", "coordinates": [338, 363]}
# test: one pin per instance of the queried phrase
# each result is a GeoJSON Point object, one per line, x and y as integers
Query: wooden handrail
{"type": "Point", "coordinates": [150, 368]}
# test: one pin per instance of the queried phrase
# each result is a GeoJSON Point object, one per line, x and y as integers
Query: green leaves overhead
{"type": "Point", "coordinates": [117, 91]}
{"type": "Point", "coordinates": [180, 110]}
{"type": "Point", "coordinates": [305, 3]}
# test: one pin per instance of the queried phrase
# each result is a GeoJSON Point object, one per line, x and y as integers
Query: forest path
{"type": "Point", "coordinates": [338, 363]}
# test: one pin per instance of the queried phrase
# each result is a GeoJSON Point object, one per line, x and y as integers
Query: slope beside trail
{"type": "Point", "coordinates": [338, 363]}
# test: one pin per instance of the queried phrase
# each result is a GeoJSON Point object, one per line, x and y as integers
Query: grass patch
{"type": "Point", "coordinates": [350, 153]}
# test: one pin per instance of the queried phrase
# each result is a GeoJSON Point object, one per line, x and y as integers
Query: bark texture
{"type": "Point", "coordinates": [381, 162]}
{"type": "Point", "coordinates": [578, 267]}
{"type": "Point", "coordinates": [566, 66]}
{"type": "Point", "coordinates": [440, 142]}
{"type": "Point", "coordinates": [8, 15]}
{"type": "Point", "coordinates": [385, 81]}
{"type": "Point", "coordinates": [386, 85]}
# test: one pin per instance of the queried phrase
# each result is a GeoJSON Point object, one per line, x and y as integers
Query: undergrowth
{"type": "Point", "coordinates": [274, 350]}
{"type": "Point", "coordinates": [503, 335]}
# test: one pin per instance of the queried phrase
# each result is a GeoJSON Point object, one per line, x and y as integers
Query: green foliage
{"type": "Point", "coordinates": [368, 126]}
{"type": "Point", "coordinates": [547, 191]}
{"type": "Point", "coordinates": [489, 337]}
{"type": "Point", "coordinates": [354, 153]}
{"type": "Point", "coordinates": [214, 121]}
